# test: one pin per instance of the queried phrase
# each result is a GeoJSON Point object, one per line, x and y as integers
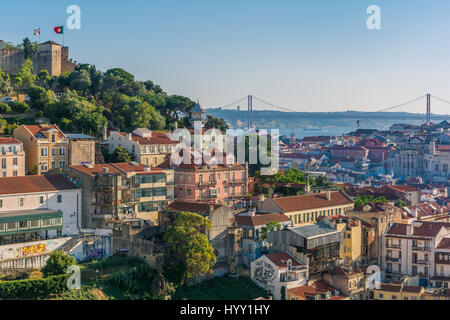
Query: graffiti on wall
{"type": "Point", "coordinates": [34, 249]}
{"type": "Point", "coordinates": [96, 254]}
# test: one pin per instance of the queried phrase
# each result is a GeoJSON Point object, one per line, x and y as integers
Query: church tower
{"type": "Point", "coordinates": [197, 114]}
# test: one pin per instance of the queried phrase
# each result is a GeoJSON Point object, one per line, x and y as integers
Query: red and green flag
{"type": "Point", "coordinates": [59, 29]}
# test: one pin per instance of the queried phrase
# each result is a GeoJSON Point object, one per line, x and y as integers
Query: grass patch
{"type": "Point", "coordinates": [226, 288]}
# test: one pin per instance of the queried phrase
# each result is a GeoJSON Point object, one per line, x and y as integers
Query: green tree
{"type": "Point", "coordinates": [29, 48]}
{"type": "Point", "coordinates": [400, 203]}
{"type": "Point", "coordinates": [19, 107]}
{"type": "Point", "coordinates": [216, 123]}
{"type": "Point", "coordinates": [5, 84]}
{"type": "Point", "coordinates": [121, 155]}
{"type": "Point", "coordinates": [4, 108]}
{"type": "Point", "coordinates": [40, 98]}
{"type": "Point", "coordinates": [45, 79]}
{"type": "Point", "coordinates": [9, 129]}
{"type": "Point", "coordinates": [187, 237]}
{"type": "Point", "coordinates": [57, 263]}
{"type": "Point", "coordinates": [92, 123]}
{"type": "Point", "coordinates": [25, 77]}
{"type": "Point", "coordinates": [271, 226]}
{"type": "Point", "coordinates": [80, 81]}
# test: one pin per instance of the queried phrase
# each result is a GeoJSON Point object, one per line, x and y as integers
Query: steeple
{"type": "Point", "coordinates": [197, 114]}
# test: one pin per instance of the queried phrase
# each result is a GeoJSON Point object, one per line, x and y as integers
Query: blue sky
{"type": "Point", "coordinates": [315, 55]}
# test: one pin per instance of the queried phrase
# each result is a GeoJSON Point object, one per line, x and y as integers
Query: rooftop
{"type": "Point", "coordinates": [313, 230]}
{"type": "Point", "coordinates": [312, 201]}
{"type": "Point", "coordinates": [261, 219]}
{"type": "Point", "coordinates": [29, 184]}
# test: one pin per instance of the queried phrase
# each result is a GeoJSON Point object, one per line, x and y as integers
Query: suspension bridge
{"type": "Point", "coordinates": [250, 99]}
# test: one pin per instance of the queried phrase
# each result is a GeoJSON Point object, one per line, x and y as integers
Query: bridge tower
{"type": "Point", "coordinates": [250, 112]}
{"type": "Point", "coordinates": [428, 109]}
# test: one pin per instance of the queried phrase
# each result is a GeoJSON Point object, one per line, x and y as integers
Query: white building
{"type": "Point", "coordinates": [411, 249]}
{"type": "Point", "coordinates": [38, 207]}
{"type": "Point", "coordinates": [278, 272]}
{"type": "Point", "coordinates": [441, 278]}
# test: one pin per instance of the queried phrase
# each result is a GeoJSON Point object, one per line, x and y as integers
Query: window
{"type": "Point", "coordinates": [21, 201]}
{"type": "Point", "coordinates": [53, 164]}
{"type": "Point", "coordinates": [380, 296]}
{"type": "Point", "coordinates": [15, 161]}
{"type": "Point", "coordinates": [62, 151]}
{"type": "Point", "coordinates": [1, 203]}
{"type": "Point", "coordinates": [62, 164]}
{"type": "Point", "coordinates": [41, 199]}
{"type": "Point", "coordinates": [53, 152]}
{"type": "Point", "coordinates": [59, 198]}
{"type": "Point", "coordinates": [53, 137]}
{"type": "Point", "coordinates": [14, 173]}
{"type": "Point", "coordinates": [43, 152]}
{"type": "Point", "coordinates": [189, 192]}
{"type": "Point", "coordinates": [23, 224]}
{"type": "Point", "coordinates": [3, 163]}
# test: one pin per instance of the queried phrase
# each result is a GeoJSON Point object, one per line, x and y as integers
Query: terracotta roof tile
{"type": "Point", "coordinates": [280, 259]}
{"type": "Point", "coordinates": [9, 140]}
{"type": "Point", "coordinates": [312, 201]}
{"type": "Point", "coordinates": [29, 184]}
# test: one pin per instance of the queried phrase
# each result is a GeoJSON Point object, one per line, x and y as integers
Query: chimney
{"type": "Point", "coordinates": [105, 169]}
{"type": "Point", "coordinates": [252, 212]}
{"type": "Point", "coordinates": [129, 135]}
{"type": "Point", "coordinates": [329, 195]}
{"type": "Point", "coordinates": [409, 230]}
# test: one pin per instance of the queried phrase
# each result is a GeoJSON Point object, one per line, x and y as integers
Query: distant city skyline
{"type": "Point", "coordinates": [304, 55]}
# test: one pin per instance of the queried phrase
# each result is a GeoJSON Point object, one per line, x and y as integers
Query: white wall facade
{"type": "Point", "coordinates": [70, 206]}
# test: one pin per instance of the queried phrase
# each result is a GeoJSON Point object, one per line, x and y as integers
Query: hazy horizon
{"type": "Point", "coordinates": [304, 55]}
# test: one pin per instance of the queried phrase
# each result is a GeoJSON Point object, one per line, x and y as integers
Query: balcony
{"type": "Point", "coordinates": [393, 246]}
{"type": "Point", "coordinates": [209, 197]}
{"type": "Point", "coordinates": [236, 181]}
{"type": "Point", "coordinates": [207, 183]}
{"type": "Point", "coordinates": [423, 249]}
{"type": "Point", "coordinates": [392, 259]}
{"type": "Point", "coordinates": [425, 262]}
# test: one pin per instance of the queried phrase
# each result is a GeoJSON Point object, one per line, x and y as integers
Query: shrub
{"type": "Point", "coordinates": [19, 107]}
{"type": "Point", "coordinates": [33, 289]}
{"type": "Point", "coordinates": [57, 263]}
{"type": "Point", "coordinates": [4, 108]}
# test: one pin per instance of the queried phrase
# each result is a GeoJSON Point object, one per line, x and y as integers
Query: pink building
{"type": "Point", "coordinates": [12, 157]}
{"type": "Point", "coordinates": [211, 183]}
{"type": "Point", "coordinates": [354, 153]}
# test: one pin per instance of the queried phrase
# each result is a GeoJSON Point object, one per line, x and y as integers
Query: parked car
{"type": "Point", "coordinates": [7, 100]}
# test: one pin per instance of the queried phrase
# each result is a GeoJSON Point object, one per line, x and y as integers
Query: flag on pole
{"type": "Point", "coordinates": [37, 32]}
{"type": "Point", "coordinates": [59, 29]}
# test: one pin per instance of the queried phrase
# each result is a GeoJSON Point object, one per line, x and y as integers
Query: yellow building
{"type": "Point", "coordinates": [45, 145]}
{"type": "Point", "coordinates": [397, 291]}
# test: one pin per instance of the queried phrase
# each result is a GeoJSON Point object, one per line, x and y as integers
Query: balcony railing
{"type": "Point", "coordinates": [207, 183]}
{"type": "Point", "coordinates": [421, 261]}
{"type": "Point", "coordinates": [392, 259]}
{"type": "Point", "coordinates": [416, 248]}
{"type": "Point", "coordinates": [236, 181]}
{"type": "Point", "coordinates": [393, 246]}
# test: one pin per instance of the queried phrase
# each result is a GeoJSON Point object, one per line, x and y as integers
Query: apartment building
{"type": "Point", "coordinates": [12, 157]}
{"type": "Point", "coordinates": [278, 273]}
{"type": "Point", "coordinates": [148, 147]}
{"type": "Point", "coordinates": [45, 146]}
{"type": "Point", "coordinates": [121, 191]}
{"type": "Point", "coordinates": [38, 207]}
{"type": "Point", "coordinates": [211, 181]}
{"type": "Point", "coordinates": [306, 209]}
{"type": "Point", "coordinates": [411, 249]}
